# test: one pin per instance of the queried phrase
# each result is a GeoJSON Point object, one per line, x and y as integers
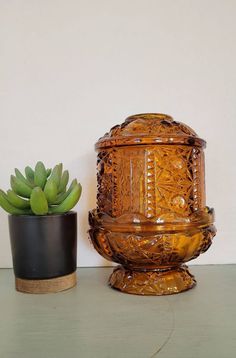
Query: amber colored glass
{"type": "Point", "coordinates": [151, 215]}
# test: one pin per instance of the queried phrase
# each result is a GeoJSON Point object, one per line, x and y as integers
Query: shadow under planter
{"type": "Point", "coordinates": [44, 251]}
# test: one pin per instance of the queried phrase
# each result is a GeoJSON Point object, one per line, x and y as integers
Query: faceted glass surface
{"type": "Point", "coordinates": [151, 215]}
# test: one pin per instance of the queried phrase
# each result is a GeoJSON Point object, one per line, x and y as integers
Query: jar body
{"type": "Point", "coordinates": [153, 181]}
{"type": "Point", "coordinates": [151, 215]}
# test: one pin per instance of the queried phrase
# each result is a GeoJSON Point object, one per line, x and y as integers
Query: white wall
{"type": "Point", "coordinates": [72, 69]}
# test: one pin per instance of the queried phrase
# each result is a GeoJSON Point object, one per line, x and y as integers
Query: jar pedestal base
{"type": "Point", "coordinates": [51, 285]}
{"type": "Point", "coordinates": [152, 283]}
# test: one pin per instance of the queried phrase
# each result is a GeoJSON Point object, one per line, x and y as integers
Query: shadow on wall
{"type": "Point", "coordinates": [88, 180]}
{"type": "Point", "coordinates": [5, 248]}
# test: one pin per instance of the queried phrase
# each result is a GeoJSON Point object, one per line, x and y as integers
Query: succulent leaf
{"type": "Point", "coordinates": [38, 201]}
{"type": "Point", "coordinates": [21, 177]}
{"type": "Point", "coordinates": [48, 172]}
{"type": "Point", "coordinates": [69, 202]}
{"type": "Point", "coordinates": [20, 187]}
{"type": "Point", "coordinates": [50, 191]}
{"type": "Point", "coordinates": [56, 175]}
{"type": "Point", "coordinates": [29, 174]}
{"type": "Point", "coordinates": [17, 201]}
{"type": "Point", "coordinates": [63, 182]}
{"type": "Point", "coordinates": [40, 175]}
{"type": "Point", "coordinates": [62, 196]}
{"type": "Point", "coordinates": [4, 203]}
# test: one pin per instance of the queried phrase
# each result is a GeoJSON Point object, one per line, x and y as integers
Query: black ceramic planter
{"type": "Point", "coordinates": [44, 251]}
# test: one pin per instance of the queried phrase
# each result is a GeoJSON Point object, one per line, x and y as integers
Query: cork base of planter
{"type": "Point", "coordinates": [51, 285]}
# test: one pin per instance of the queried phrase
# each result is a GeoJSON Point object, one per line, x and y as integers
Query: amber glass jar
{"type": "Point", "coordinates": [151, 215]}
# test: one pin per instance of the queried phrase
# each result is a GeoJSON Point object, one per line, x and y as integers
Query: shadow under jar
{"type": "Point", "coordinates": [151, 215]}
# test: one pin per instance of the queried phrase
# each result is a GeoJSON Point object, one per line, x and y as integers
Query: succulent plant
{"type": "Point", "coordinates": [40, 192]}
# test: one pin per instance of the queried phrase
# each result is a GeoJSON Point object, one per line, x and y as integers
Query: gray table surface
{"type": "Point", "coordinates": [93, 320]}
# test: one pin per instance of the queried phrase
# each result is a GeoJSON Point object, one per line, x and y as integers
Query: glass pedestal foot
{"type": "Point", "coordinates": [155, 283]}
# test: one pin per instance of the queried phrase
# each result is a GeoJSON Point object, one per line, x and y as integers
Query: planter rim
{"type": "Point", "coordinates": [36, 217]}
